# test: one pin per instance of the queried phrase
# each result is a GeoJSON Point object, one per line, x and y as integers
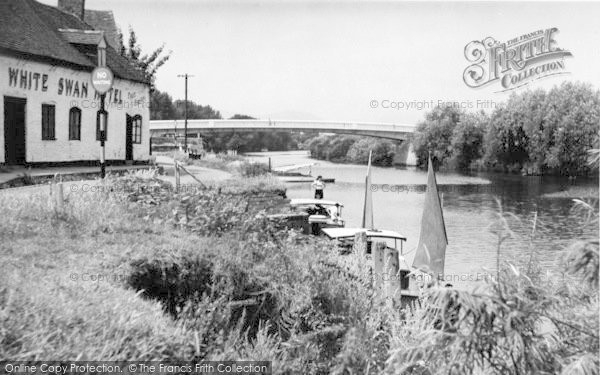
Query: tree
{"type": "Point", "coordinates": [195, 111]}
{"type": "Point", "coordinates": [235, 142]}
{"type": "Point", "coordinates": [148, 63]}
{"type": "Point", "coordinates": [340, 146]}
{"type": "Point", "coordinates": [161, 106]}
{"type": "Point", "coordinates": [532, 107]}
{"type": "Point", "coordinates": [506, 141]}
{"type": "Point", "coordinates": [573, 121]}
{"type": "Point", "coordinates": [241, 117]}
{"type": "Point", "coordinates": [467, 140]}
{"type": "Point", "coordinates": [319, 147]}
{"type": "Point", "coordinates": [434, 135]}
{"type": "Point", "coordinates": [359, 151]}
{"type": "Point", "coordinates": [538, 132]}
{"type": "Point", "coordinates": [382, 151]}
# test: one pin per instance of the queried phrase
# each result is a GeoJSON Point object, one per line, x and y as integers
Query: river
{"type": "Point", "coordinates": [471, 208]}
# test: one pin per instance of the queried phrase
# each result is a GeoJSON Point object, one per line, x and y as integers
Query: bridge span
{"type": "Point", "coordinates": [399, 132]}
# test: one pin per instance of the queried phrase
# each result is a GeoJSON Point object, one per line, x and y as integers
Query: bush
{"type": "Point", "coordinates": [250, 169]}
{"type": "Point", "coordinates": [181, 157]}
{"type": "Point", "coordinates": [382, 152]}
{"type": "Point", "coordinates": [339, 148]}
{"type": "Point", "coordinates": [319, 147]}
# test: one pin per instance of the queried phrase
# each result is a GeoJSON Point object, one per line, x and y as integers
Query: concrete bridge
{"type": "Point", "coordinates": [398, 132]}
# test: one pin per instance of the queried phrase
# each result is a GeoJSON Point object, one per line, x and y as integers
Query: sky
{"type": "Point", "coordinates": [345, 60]}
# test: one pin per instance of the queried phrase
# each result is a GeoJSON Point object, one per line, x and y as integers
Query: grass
{"type": "Point", "coordinates": [230, 163]}
{"type": "Point", "coordinates": [201, 276]}
{"type": "Point", "coordinates": [45, 314]}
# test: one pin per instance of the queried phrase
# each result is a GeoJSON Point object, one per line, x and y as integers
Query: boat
{"type": "Point", "coordinates": [430, 252]}
{"type": "Point", "coordinates": [409, 289]}
{"type": "Point", "coordinates": [345, 236]}
{"type": "Point", "coordinates": [393, 241]}
{"type": "Point", "coordinates": [290, 173]}
{"type": "Point", "coordinates": [321, 213]}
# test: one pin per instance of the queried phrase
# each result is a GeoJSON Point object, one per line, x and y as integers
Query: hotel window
{"type": "Point", "coordinates": [137, 129]}
{"type": "Point", "coordinates": [75, 124]}
{"type": "Point", "coordinates": [98, 127]}
{"type": "Point", "coordinates": [48, 114]}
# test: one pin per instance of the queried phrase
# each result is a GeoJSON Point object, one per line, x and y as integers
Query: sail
{"type": "Point", "coordinates": [367, 220]}
{"type": "Point", "coordinates": [431, 250]}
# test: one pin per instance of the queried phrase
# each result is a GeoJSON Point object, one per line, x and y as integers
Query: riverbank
{"type": "Point", "coordinates": [140, 272]}
{"type": "Point", "coordinates": [17, 176]}
{"type": "Point", "coordinates": [576, 192]}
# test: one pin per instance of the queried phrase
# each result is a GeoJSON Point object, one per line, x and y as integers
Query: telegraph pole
{"type": "Point", "coordinates": [185, 111]}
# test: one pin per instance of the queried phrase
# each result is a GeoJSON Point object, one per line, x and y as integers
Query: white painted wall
{"type": "Point", "coordinates": [134, 97]}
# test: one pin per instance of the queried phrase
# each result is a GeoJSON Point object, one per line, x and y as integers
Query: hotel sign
{"type": "Point", "coordinates": [514, 63]}
{"type": "Point", "coordinates": [35, 81]}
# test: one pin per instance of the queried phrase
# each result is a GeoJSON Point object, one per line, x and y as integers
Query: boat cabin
{"type": "Point", "coordinates": [392, 239]}
{"type": "Point", "coordinates": [322, 213]}
{"type": "Point", "coordinates": [345, 236]}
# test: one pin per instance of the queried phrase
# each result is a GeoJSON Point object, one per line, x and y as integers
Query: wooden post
{"type": "Point", "coordinates": [60, 198]}
{"type": "Point", "coordinates": [392, 271]}
{"type": "Point", "coordinates": [177, 176]}
{"type": "Point", "coordinates": [377, 253]}
{"type": "Point", "coordinates": [57, 194]}
{"type": "Point", "coordinates": [359, 247]}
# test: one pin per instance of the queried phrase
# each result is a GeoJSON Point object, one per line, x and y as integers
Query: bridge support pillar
{"type": "Point", "coordinates": [405, 154]}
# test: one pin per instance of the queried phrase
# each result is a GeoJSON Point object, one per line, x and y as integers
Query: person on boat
{"type": "Point", "coordinates": [319, 186]}
{"type": "Point", "coordinates": [322, 211]}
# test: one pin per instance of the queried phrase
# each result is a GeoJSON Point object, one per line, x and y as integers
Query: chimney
{"type": "Point", "coordinates": [75, 7]}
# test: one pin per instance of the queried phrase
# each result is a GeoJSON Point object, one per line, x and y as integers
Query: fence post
{"type": "Point", "coordinates": [60, 197]}
{"type": "Point", "coordinates": [392, 270]}
{"type": "Point", "coordinates": [57, 194]}
{"type": "Point", "coordinates": [378, 255]}
{"type": "Point", "coordinates": [177, 176]}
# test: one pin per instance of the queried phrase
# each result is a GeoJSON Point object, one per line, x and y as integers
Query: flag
{"type": "Point", "coordinates": [431, 250]}
{"type": "Point", "coordinates": [367, 220]}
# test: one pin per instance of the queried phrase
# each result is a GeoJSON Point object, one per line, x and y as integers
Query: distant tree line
{"type": "Point", "coordinates": [351, 149]}
{"type": "Point", "coordinates": [534, 132]}
{"type": "Point", "coordinates": [162, 107]}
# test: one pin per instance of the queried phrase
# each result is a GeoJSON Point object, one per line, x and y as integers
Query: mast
{"type": "Point", "coordinates": [367, 220]}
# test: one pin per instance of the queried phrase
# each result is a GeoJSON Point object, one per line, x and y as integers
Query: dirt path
{"type": "Point", "coordinates": [208, 176]}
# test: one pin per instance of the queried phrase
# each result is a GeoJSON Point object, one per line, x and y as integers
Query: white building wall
{"type": "Point", "coordinates": [128, 98]}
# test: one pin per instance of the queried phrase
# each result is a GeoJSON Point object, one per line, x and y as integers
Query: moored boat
{"type": "Point", "coordinates": [321, 213]}
{"type": "Point", "coordinates": [431, 250]}
{"type": "Point", "coordinates": [394, 241]}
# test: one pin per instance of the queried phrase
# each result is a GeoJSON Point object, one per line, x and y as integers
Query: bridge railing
{"type": "Point", "coordinates": [281, 124]}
